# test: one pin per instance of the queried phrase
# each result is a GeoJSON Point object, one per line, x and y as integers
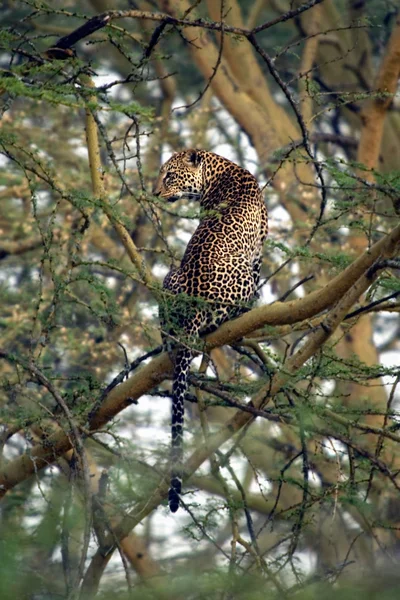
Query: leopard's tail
{"type": "Point", "coordinates": [183, 359]}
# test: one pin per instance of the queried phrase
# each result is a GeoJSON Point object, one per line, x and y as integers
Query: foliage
{"type": "Point", "coordinates": [292, 430]}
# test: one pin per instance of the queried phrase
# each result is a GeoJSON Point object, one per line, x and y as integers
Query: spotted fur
{"type": "Point", "coordinates": [219, 272]}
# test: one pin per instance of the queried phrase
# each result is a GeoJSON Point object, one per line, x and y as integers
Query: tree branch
{"type": "Point", "coordinates": [100, 21]}
{"type": "Point", "coordinates": [96, 170]}
{"type": "Point", "coordinates": [373, 115]}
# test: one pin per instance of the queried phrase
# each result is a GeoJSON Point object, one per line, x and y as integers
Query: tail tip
{"type": "Point", "coordinates": [173, 494]}
{"type": "Point", "coordinates": [173, 500]}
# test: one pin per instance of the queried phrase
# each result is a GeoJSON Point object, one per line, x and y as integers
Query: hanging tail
{"type": "Point", "coordinates": [179, 390]}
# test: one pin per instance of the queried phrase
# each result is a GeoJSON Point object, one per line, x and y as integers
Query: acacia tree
{"type": "Point", "coordinates": [292, 457]}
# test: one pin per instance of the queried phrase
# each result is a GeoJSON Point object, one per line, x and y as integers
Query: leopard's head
{"type": "Point", "coordinates": [181, 177]}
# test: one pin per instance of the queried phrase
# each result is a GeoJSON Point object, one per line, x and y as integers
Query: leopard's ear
{"type": "Point", "coordinates": [193, 158]}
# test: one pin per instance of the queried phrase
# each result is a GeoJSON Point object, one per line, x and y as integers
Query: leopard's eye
{"type": "Point", "coordinates": [168, 177]}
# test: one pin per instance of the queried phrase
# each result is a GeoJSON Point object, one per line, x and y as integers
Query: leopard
{"type": "Point", "coordinates": [219, 274]}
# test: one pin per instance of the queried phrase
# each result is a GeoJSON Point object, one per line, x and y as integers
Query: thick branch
{"type": "Point", "coordinates": [373, 115]}
{"type": "Point", "coordinates": [307, 62]}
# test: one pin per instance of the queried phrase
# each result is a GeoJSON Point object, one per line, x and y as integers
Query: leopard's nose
{"type": "Point", "coordinates": [157, 187]}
